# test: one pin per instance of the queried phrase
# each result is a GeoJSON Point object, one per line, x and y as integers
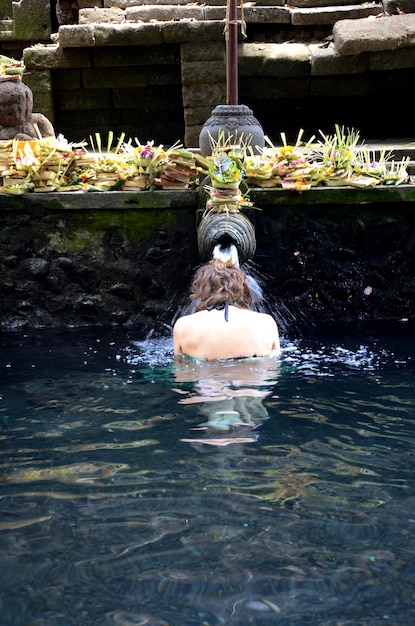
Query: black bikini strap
{"type": "Point", "coordinates": [219, 307]}
{"type": "Point", "coordinates": [226, 311]}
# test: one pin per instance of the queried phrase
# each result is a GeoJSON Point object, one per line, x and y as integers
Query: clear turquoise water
{"type": "Point", "coordinates": [112, 513]}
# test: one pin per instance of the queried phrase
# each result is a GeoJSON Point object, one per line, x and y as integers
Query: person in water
{"type": "Point", "coordinates": [224, 324]}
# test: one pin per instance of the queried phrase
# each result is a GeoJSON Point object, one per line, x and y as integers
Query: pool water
{"type": "Point", "coordinates": [140, 491]}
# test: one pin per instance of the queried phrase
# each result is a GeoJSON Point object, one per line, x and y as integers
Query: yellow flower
{"type": "Point", "coordinates": [286, 150]}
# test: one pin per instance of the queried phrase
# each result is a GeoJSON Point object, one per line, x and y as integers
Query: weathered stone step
{"type": "Point", "coordinates": [119, 13]}
{"type": "Point", "coordinates": [6, 29]}
{"type": "Point", "coordinates": [308, 4]}
{"type": "Point", "coordinates": [388, 33]}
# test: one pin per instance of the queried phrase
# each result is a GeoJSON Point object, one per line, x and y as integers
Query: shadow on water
{"type": "Point", "coordinates": [109, 514]}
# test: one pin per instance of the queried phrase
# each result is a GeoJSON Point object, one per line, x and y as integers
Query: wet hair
{"type": "Point", "coordinates": [215, 283]}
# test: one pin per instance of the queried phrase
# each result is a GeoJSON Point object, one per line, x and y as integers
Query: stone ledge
{"type": "Point", "coordinates": [53, 56]}
{"type": "Point", "coordinates": [326, 61]}
{"type": "Point", "coordinates": [267, 59]}
{"type": "Point", "coordinates": [97, 15]}
{"type": "Point", "coordinates": [124, 200]}
{"type": "Point", "coordinates": [164, 13]}
{"type": "Point", "coordinates": [108, 200]}
{"type": "Point", "coordinates": [374, 34]}
{"type": "Point", "coordinates": [138, 34]}
{"type": "Point", "coordinates": [258, 14]}
{"type": "Point", "coordinates": [331, 15]}
{"type": "Point", "coordinates": [260, 59]}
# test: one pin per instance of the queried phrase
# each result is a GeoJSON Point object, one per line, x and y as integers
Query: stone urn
{"type": "Point", "coordinates": [236, 122]}
{"type": "Point", "coordinates": [17, 121]}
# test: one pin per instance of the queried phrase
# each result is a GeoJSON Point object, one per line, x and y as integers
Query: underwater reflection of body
{"type": "Point", "coordinates": [229, 394]}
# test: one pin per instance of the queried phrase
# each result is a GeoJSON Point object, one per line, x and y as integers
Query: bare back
{"type": "Point", "coordinates": [207, 334]}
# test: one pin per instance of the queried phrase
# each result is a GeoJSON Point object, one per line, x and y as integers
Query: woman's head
{"type": "Point", "coordinates": [215, 283]}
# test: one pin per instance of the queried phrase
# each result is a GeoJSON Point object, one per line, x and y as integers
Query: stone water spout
{"type": "Point", "coordinates": [224, 229]}
{"type": "Point", "coordinates": [226, 233]}
{"type": "Point", "coordinates": [223, 206]}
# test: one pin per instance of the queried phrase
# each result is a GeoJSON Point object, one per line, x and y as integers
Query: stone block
{"type": "Point", "coordinates": [273, 3]}
{"type": "Point", "coordinates": [6, 30]}
{"type": "Point", "coordinates": [202, 72]}
{"type": "Point", "coordinates": [163, 13]}
{"type": "Point", "coordinates": [394, 7]}
{"type": "Point", "coordinates": [31, 20]}
{"type": "Point", "coordinates": [55, 57]}
{"type": "Point", "coordinates": [127, 34]}
{"type": "Point", "coordinates": [115, 78]}
{"type": "Point", "coordinates": [182, 32]}
{"type": "Point", "coordinates": [196, 116]}
{"type": "Point", "coordinates": [164, 75]}
{"type": "Point", "coordinates": [270, 59]}
{"type": "Point", "coordinates": [267, 15]}
{"type": "Point", "coordinates": [40, 82]}
{"type": "Point", "coordinates": [124, 4]}
{"type": "Point", "coordinates": [266, 87]}
{"type": "Point", "coordinates": [83, 99]}
{"type": "Point", "coordinates": [395, 85]}
{"type": "Point", "coordinates": [98, 15]}
{"type": "Point", "coordinates": [210, 96]}
{"type": "Point", "coordinates": [76, 36]}
{"type": "Point", "coordinates": [135, 55]}
{"type": "Point", "coordinates": [147, 116]}
{"type": "Point", "coordinates": [389, 60]}
{"type": "Point", "coordinates": [214, 13]}
{"type": "Point", "coordinates": [191, 136]}
{"type": "Point", "coordinates": [89, 4]}
{"type": "Point", "coordinates": [163, 97]}
{"type": "Point", "coordinates": [326, 61]}
{"type": "Point", "coordinates": [77, 125]}
{"type": "Point", "coordinates": [340, 86]}
{"type": "Point", "coordinates": [6, 10]}
{"type": "Point", "coordinates": [67, 79]}
{"type": "Point", "coordinates": [330, 15]}
{"type": "Point", "coordinates": [203, 51]}
{"type": "Point", "coordinates": [309, 4]}
{"type": "Point", "coordinates": [374, 35]}
{"type": "Point", "coordinates": [255, 14]}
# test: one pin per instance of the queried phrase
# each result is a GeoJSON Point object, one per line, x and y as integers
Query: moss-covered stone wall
{"type": "Point", "coordinates": [327, 255]}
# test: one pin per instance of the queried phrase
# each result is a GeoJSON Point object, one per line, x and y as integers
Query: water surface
{"type": "Point", "coordinates": [136, 490]}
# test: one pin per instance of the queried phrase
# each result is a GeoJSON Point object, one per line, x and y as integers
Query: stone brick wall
{"type": "Point", "coordinates": [156, 71]}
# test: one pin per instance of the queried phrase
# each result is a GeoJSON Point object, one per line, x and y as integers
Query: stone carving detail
{"type": "Point", "coordinates": [17, 120]}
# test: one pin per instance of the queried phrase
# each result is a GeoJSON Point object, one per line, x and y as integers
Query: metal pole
{"type": "Point", "coordinates": [232, 53]}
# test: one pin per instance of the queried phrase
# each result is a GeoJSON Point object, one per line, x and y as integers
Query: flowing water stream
{"type": "Point", "coordinates": [136, 490]}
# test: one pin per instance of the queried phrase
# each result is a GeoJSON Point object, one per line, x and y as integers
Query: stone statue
{"type": "Point", "coordinates": [17, 121]}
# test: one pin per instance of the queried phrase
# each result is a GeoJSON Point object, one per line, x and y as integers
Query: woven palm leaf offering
{"type": "Point", "coordinates": [371, 169]}
{"type": "Point", "coordinates": [344, 160]}
{"type": "Point", "coordinates": [180, 170]}
{"type": "Point", "coordinates": [285, 166]}
{"type": "Point", "coordinates": [39, 165]}
{"type": "Point", "coordinates": [10, 69]}
{"type": "Point", "coordinates": [146, 163]}
{"type": "Point", "coordinates": [104, 168]}
{"type": "Point", "coordinates": [226, 172]}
